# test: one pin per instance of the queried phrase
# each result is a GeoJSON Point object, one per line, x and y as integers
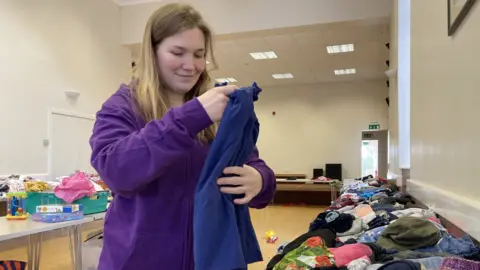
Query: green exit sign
{"type": "Point", "coordinates": [374, 126]}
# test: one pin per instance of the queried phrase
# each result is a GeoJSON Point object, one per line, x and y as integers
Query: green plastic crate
{"type": "Point", "coordinates": [94, 204]}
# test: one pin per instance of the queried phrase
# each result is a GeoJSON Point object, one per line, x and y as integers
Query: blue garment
{"type": "Point", "coordinates": [430, 263]}
{"type": "Point", "coordinates": [457, 246]}
{"type": "Point", "coordinates": [371, 236]}
{"type": "Point", "coordinates": [224, 238]}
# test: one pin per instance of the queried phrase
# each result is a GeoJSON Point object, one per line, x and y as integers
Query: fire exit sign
{"type": "Point", "coordinates": [374, 126]}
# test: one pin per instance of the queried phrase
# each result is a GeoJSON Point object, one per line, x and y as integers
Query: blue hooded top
{"type": "Point", "coordinates": [224, 238]}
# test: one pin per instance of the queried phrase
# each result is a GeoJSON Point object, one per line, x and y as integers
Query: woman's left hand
{"type": "Point", "coordinates": [246, 180]}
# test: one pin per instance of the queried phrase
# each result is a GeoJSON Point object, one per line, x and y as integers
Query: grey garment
{"type": "Point", "coordinates": [432, 263]}
{"type": "Point", "coordinates": [374, 266]}
{"type": "Point", "coordinates": [358, 264]}
{"type": "Point", "coordinates": [348, 237]}
{"type": "Point", "coordinates": [379, 196]}
{"type": "Point", "coordinates": [358, 227]}
{"type": "Point", "coordinates": [403, 255]}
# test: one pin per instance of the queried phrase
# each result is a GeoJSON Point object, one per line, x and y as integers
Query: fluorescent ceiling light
{"type": "Point", "coordinates": [263, 55]}
{"type": "Point", "coordinates": [282, 76]}
{"type": "Point", "coordinates": [226, 80]}
{"type": "Point", "coordinates": [343, 48]}
{"type": "Point", "coordinates": [345, 71]}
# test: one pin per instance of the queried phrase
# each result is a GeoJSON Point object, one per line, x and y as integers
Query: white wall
{"type": "Point", "coordinates": [445, 100]}
{"type": "Point", "coordinates": [445, 111]}
{"type": "Point", "coordinates": [48, 47]}
{"type": "Point", "coordinates": [318, 124]}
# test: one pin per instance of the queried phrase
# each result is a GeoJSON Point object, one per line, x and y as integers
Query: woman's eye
{"type": "Point", "coordinates": [199, 56]}
{"type": "Point", "coordinates": [177, 53]}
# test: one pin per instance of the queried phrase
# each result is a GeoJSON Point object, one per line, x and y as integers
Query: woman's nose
{"type": "Point", "coordinates": [188, 63]}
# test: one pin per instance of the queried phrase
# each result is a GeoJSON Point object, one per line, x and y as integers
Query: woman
{"type": "Point", "coordinates": [150, 141]}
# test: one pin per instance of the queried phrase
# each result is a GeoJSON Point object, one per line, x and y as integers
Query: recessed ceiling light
{"type": "Point", "coordinates": [345, 71]}
{"type": "Point", "coordinates": [263, 55]}
{"type": "Point", "coordinates": [208, 62]}
{"type": "Point", "coordinates": [343, 48]}
{"type": "Point", "coordinates": [225, 80]}
{"type": "Point", "coordinates": [282, 76]}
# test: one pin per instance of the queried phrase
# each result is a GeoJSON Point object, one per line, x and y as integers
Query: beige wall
{"type": "Point", "coordinates": [48, 47]}
{"type": "Point", "coordinates": [318, 124]}
{"type": "Point", "coordinates": [445, 98]}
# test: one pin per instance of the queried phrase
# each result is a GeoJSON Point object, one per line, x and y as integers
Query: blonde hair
{"type": "Point", "coordinates": [147, 84]}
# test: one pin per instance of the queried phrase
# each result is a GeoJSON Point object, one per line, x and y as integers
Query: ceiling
{"type": "Point", "coordinates": [302, 52]}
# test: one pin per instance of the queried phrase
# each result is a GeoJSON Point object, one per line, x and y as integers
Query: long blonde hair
{"type": "Point", "coordinates": [147, 84]}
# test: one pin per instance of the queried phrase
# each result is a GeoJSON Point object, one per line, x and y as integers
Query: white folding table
{"type": "Point", "coordinates": [10, 229]}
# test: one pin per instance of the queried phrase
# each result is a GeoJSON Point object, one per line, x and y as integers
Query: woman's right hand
{"type": "Point", "coordinates": [215, 100]}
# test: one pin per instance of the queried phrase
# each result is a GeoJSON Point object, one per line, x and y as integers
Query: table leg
{"type": "Point", "coordinates": [75, 237]}
{"type": "Point", "coordinates": [78, 249]}
{"type": "Point", "coordinates": [34, 251]}
{"type": "Point", "coordinates": [71, 246]}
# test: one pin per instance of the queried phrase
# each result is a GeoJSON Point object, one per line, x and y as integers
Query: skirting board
{"type": "Point", "coordinates": [462, 212]}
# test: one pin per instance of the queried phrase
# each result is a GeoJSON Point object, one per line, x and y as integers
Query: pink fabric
{"type": "Point", "coordinates": [434, 219]}
{"type": "Point", "coordinates": [74, 187]}
{"type": "Point", "coordinates": [347, 253]}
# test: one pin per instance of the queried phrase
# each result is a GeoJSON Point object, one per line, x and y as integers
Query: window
{"type": "Point", "coordinates": [403, 80]}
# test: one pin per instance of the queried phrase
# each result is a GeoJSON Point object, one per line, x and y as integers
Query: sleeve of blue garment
{"type": "Point", "coordinates": [224, 238]}
{"type": "Point", "coordinates": [269, 182]}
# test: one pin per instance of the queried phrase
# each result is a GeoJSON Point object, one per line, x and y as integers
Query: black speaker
{"type": "Point", "coordinates": [317, 173]}
{"type": "Point", "coordinates": [334, 171]}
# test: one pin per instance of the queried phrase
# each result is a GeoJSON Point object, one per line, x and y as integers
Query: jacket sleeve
{"type": "Point", "coordinates": [269, 182]}
{"type": "Point", "coordinates": [127, 158]}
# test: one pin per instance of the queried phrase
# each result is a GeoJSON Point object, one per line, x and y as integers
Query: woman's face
{"type": "Point", "coordinates": [181, 60]}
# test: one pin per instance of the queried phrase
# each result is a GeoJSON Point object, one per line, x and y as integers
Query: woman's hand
{"type": "Point", "coordinates": [246, 180]}
{"type": "Point", "coordinates": [215, 100]}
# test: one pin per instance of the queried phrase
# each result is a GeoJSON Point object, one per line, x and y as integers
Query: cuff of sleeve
{"type": "Point", "coordinates": [193, 116]}
{"type": "Point", "coordinates": [264, 196]}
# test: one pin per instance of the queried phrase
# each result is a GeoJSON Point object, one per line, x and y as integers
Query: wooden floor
{"type": "Point", "coordinates": [287, 222]}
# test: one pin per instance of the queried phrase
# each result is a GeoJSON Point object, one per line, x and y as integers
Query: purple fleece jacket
{"type": "Point", "coordinates": [152, 169]}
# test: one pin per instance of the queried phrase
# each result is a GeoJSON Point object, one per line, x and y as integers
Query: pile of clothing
{"type": "Point", "coordinates": [374, 226]}
{"type": "Point", "coordinates": [90, 183]}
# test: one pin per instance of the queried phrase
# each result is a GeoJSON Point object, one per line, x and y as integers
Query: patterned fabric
{"type": "Point", "coordinates": [310, 254]}
{"type": "Point", "coordinates": [459, 264]}
{"type": "Point", "coordinates": [13, 265]}
{"type": "Point", "coordinates": [372, 236]}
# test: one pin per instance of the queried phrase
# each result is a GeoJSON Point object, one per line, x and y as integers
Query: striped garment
{"type": "Point", "coordinates": [13, 265]}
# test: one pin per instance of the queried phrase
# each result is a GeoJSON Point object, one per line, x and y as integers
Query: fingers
{"type": "Point", "coordinates": [243, 200]}
{"type": "Point", "coordinates": [234, 170]}
{"type": "Point", "coordinates": [234, 181]}
{"type": "Point", "coordinates": [227, 89]}
{"type": "Point", "coordinates": [233, 190]}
